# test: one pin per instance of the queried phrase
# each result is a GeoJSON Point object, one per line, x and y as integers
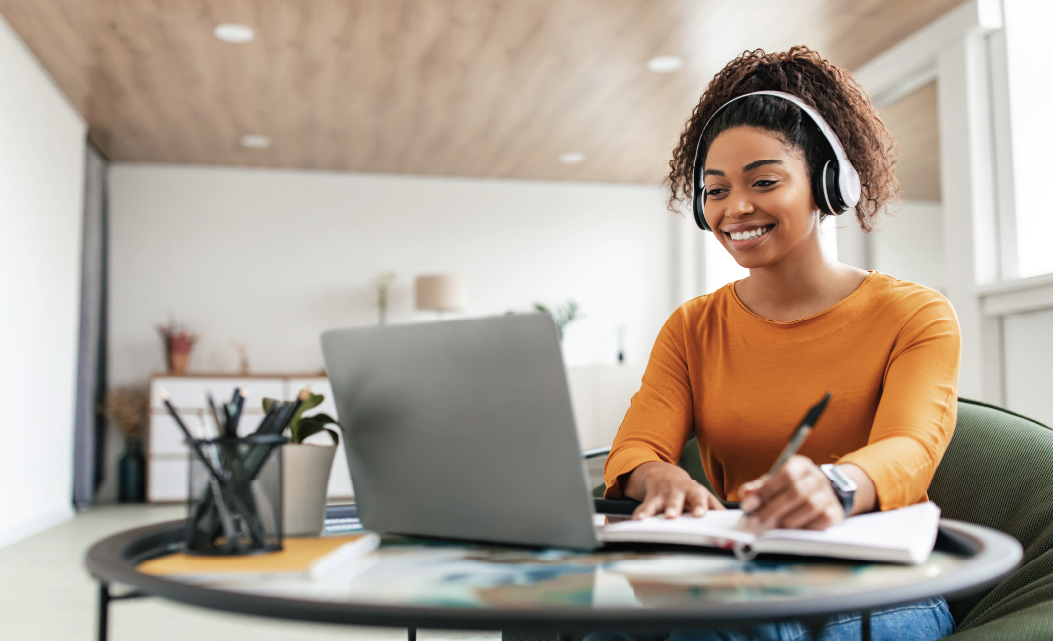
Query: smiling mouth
{"type": "Point", "coordinates": [751, 234]}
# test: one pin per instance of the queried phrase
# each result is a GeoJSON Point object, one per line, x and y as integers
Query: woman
{"type": "Point", "coordinates": [741, 366]}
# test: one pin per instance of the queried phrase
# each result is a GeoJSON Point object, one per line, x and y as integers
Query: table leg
{"type": "Point", "coordinates": [411, 634]}
{"type": "Point", "coordinates": [864, 625]}
{"type": "Point", "coordinates": [104, 611]}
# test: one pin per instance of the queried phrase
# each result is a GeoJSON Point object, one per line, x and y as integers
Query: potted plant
{"type": "Point", "coordinates": [306, 468]}
{"type": "Point", "coordinates": [563, 315]}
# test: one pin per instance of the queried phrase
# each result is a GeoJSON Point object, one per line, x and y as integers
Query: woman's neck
{"type": "Point", "coordinates": [803, 284]}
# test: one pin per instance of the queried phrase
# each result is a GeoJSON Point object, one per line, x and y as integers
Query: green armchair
{"type": "Point", "coordinates": [998, 472]}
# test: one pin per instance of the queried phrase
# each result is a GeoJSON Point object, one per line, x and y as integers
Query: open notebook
{"type": "Point", "coordinates": [906, 535]}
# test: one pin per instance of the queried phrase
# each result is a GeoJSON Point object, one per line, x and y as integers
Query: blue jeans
{"type": "Point", "coordinates": [922, 621]}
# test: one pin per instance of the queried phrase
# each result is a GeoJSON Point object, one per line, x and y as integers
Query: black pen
{"type": "Point", "coordinates": [801, 433]}
{"type": "Point", "coordinates": [797, 439]}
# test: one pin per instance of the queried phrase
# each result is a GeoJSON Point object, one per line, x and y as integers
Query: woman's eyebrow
{"type": "Point", "coordinates": [712, 172]}
{"type": "Point", "coordinates": [757, 163]}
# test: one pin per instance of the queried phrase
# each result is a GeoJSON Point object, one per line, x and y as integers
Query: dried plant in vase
{"type": "Point", "coordinates": [178, 343]}
{"type": "Point", "coordinates": [382, 287]}
{"type": "Point", "coordinates": [127, 409]}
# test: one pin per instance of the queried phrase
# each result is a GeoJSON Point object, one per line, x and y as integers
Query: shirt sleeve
{"type": "Point", "coordinates": [917, 410]}
{"type": "Point", "coordinates": [660, 419]}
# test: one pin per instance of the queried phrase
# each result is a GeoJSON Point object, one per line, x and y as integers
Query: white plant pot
{"type": "Point", "coordinates": [305, 479]}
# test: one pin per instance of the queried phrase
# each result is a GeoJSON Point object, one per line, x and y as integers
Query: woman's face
{"type": "Point", "coordinates": [759, 202]}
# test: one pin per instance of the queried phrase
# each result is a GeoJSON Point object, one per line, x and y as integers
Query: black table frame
{"type": "Point", "coordinates": [113, 561]}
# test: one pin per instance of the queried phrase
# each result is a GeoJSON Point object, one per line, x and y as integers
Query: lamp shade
{"type": "Point", "coordinates": [440, 292]}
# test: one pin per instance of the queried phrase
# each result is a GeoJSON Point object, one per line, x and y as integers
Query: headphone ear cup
{"type": "Point", "coordinates": [833, 188]}
{"type": "Point", "coordinates": [820, 188]}
{"type": "Point", "coordinates": [700, 210]}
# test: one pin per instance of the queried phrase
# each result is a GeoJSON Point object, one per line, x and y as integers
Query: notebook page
{"type": "Point", "coordinates": [716, 527]}
{"type": "Point", "coordinates": [909, 530]}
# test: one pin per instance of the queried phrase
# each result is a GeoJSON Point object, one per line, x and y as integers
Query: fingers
{"type": "Point", "coordinates": [763, 490]}
{"type": "Point", "coordinates": [792, 496]}
{"type": "Point", "coordinates": [798, 496]}
{"type": "Point", "coordinates": [814, 515]}
{"type": "Point", "coordinates": [672, 499]}
{"type": "Point", "coordinates": [696, 501]}
{"type": "Point", "coordinates": [649, 507]}
{"type": "Point", "coordinates": [669, 503]}
{"type": "Point", "coordinates": [674, 504]}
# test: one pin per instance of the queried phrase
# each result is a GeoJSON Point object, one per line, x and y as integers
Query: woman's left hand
{"type": "Point", "coordinates": [799, 496]}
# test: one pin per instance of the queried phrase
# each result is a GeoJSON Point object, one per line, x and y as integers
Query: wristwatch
{"type": "Point", "coordinates": [844, 487]}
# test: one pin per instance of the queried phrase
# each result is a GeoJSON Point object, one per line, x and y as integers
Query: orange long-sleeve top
{"type": "Point", "coordinates": [889, 352]}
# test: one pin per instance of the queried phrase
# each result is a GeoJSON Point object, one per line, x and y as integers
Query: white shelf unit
{"type": "Point", "coordinates": [167, 452]}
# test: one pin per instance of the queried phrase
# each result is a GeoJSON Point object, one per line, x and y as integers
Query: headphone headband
{"type": "Point", "coordinates": [845, 181]}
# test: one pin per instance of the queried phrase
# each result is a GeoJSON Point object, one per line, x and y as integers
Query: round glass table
{"type": "Point", "coordinates": [414, 583]}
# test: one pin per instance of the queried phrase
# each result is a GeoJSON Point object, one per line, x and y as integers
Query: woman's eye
{"type": "Point", "coordinates": [765, 183]}
{"type": "Point", "coordinates": [714, 192]}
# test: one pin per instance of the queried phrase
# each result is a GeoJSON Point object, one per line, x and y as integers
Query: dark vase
{"type": "Point", "coordinates": [131, 474]}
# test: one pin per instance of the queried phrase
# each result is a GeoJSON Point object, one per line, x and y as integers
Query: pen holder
{"type": "Point", "coordinates": [235, 500]}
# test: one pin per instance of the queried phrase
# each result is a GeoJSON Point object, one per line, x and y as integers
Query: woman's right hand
{"type": "Point", "coordinates": [667, 489]}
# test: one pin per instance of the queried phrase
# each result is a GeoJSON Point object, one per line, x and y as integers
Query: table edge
{"type": "Point", "coordinates": [114, 560]}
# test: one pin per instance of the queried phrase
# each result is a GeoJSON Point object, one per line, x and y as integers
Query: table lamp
{"type": "Point", "coordinates": [440, 293]}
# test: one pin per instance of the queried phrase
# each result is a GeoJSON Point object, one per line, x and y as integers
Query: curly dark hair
{"type": "Point", "coordinates": [827, 88]}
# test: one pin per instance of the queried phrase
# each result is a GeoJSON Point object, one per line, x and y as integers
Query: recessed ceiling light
{"type": "Point", "coordinates": [230, 32]}
{"type": "Point", "coordinates": [255, 141]}
{"type": "Point", "coordinates": [665, 64]}
{"type": "Point", "coordinates": [572, 158]}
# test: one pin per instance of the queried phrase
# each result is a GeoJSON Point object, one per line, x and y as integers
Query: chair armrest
{"type": "Point", "coordinates": [597, 451]}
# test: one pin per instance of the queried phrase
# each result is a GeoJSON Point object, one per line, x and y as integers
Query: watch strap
{"type": "Point", "coordinates": [845, 492]}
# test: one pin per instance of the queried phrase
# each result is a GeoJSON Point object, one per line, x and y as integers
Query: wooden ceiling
{"type": "Point", "coordinates": [496, 88]}
{"type": "Point", "coordinates": [914, 122]}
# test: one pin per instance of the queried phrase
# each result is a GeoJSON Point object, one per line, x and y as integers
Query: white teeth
{"type": "Point", "coordinates": [748, 235]}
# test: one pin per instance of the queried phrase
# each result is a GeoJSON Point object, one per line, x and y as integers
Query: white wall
{"type": "Point", "coordinates": [41, 200]}
{"type": "Point", "coordinates": [272, 258]}
{"type": "Point", "coordinates": [1028, 353]}
{"type": "Point", "coordinates": [908, 244]}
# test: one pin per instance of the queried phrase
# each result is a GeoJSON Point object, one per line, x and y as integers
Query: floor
{"type": "Point", "coordinates": [46, 594]}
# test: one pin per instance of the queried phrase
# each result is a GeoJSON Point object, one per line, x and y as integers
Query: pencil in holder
{"type": "Point", "coordinates": [235, 499]}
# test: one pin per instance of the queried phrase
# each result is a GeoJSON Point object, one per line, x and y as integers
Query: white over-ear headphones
{"type": "Point", "coordinates": [835, 185]}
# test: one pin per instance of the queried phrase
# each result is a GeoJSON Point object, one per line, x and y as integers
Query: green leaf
{"type": "Point", "coordinates": [334, 436]}
{"type": "Point", "coordinates": [307, 427]}
{"type": "Point", "coordinates": [325, 418]}
{"type": "Point", "coordinates": [267, 404]}
{"type": "Point", "coordinates": [312, 401]}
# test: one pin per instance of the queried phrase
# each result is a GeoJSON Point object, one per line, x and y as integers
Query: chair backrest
{"type": "Point", "coordinates": [691, 461]}
{"type": "Point", "coordinates": [998, 472]}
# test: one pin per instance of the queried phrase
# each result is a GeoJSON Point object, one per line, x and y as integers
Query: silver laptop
{"type": "Point", "coordinates": [462, 429]}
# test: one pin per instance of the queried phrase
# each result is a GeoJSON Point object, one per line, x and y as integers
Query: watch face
{"type": "Point", "coordinates": [842, 482]}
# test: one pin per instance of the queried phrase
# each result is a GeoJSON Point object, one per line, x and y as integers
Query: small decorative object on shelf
{"type": "Point", "coordinates": [563, 315]}
{"type": "Point", "coordinates": [243, 358]}
{"type": "Point", "coordinates": [127, 409]}
{"type": "Point", "coordinates": [178, 343]}
{"type": "Point", "coordinates": [382, 286]}
{"type": "Point", "coordinates": [306, 467]}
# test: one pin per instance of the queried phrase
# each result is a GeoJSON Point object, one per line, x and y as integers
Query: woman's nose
{"type": "Point", "coordinates": [738, 206]}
